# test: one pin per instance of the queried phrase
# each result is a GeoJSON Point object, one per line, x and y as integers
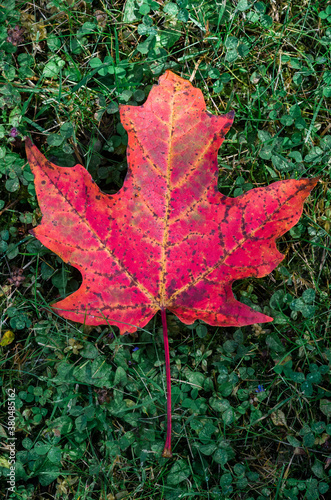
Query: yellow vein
{"type": "Point", "coordinates": [190, 208]}
{"type": "Point", "coordinates": [162, 291]}
{"type": "Point", "coordinates": [194, 167]}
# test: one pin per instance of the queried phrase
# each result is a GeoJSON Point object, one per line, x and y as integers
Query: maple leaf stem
{"type": "Point", "coordinates": [167, 447]}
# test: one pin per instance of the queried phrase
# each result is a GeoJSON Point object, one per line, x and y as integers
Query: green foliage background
{"type": "Point", "coordinates": [252, 406]}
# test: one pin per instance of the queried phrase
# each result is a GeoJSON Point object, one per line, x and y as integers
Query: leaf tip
{"type": "Point", "coordinates": [308, 185]}
{"type": "Point", "coordinates": [168, 74]}
{"type": "Point", "coordinates": [230, 115]}
{"type": "Point", "coordinates": [28, 142]}
{"type": "Point", "coordinates": [314, 181]}
{"type": "Point", "coordinates": [226, 121]}
{"type": "Point", "coordinates": [28, 150]}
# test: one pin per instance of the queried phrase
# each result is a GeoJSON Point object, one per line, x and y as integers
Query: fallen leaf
{"type": "Point", "coordinates": [299, 451]}
{"type": "Point", "coordinates": [278, 418]}
{"type": "Point", "coordinates": [321, 439]}
{"type": "Point", "coordinates": [36, 30]}
{"type": "Point", "coordinates": [3, 432]}
{"type": "Point", "coordinates": [7, 338]}
{"type": "Point", "coordinates": [168, 239]}
{"type": "Point", "coordinates": [4, 462]}
{"type": "Point", "coordinates": [325, 407]}
{"type": "Point", "coordinates": [102, 18]}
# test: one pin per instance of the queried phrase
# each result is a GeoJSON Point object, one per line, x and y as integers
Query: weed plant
{"type": "Point", "coordinates": [251, 406]}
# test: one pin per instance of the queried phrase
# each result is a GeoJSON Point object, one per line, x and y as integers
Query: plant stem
{"type": "Point", "coordinates": [167, 447]}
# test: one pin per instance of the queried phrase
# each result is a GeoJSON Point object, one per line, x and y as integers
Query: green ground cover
{"type": "Point", "coordinates": [251, 406]}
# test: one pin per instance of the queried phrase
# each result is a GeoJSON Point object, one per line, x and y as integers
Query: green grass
{"type": "Point", "coordinates": [90, 410]}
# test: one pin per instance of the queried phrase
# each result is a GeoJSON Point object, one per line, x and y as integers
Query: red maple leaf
{"type": "Point", "coordinates": [168, 239]}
